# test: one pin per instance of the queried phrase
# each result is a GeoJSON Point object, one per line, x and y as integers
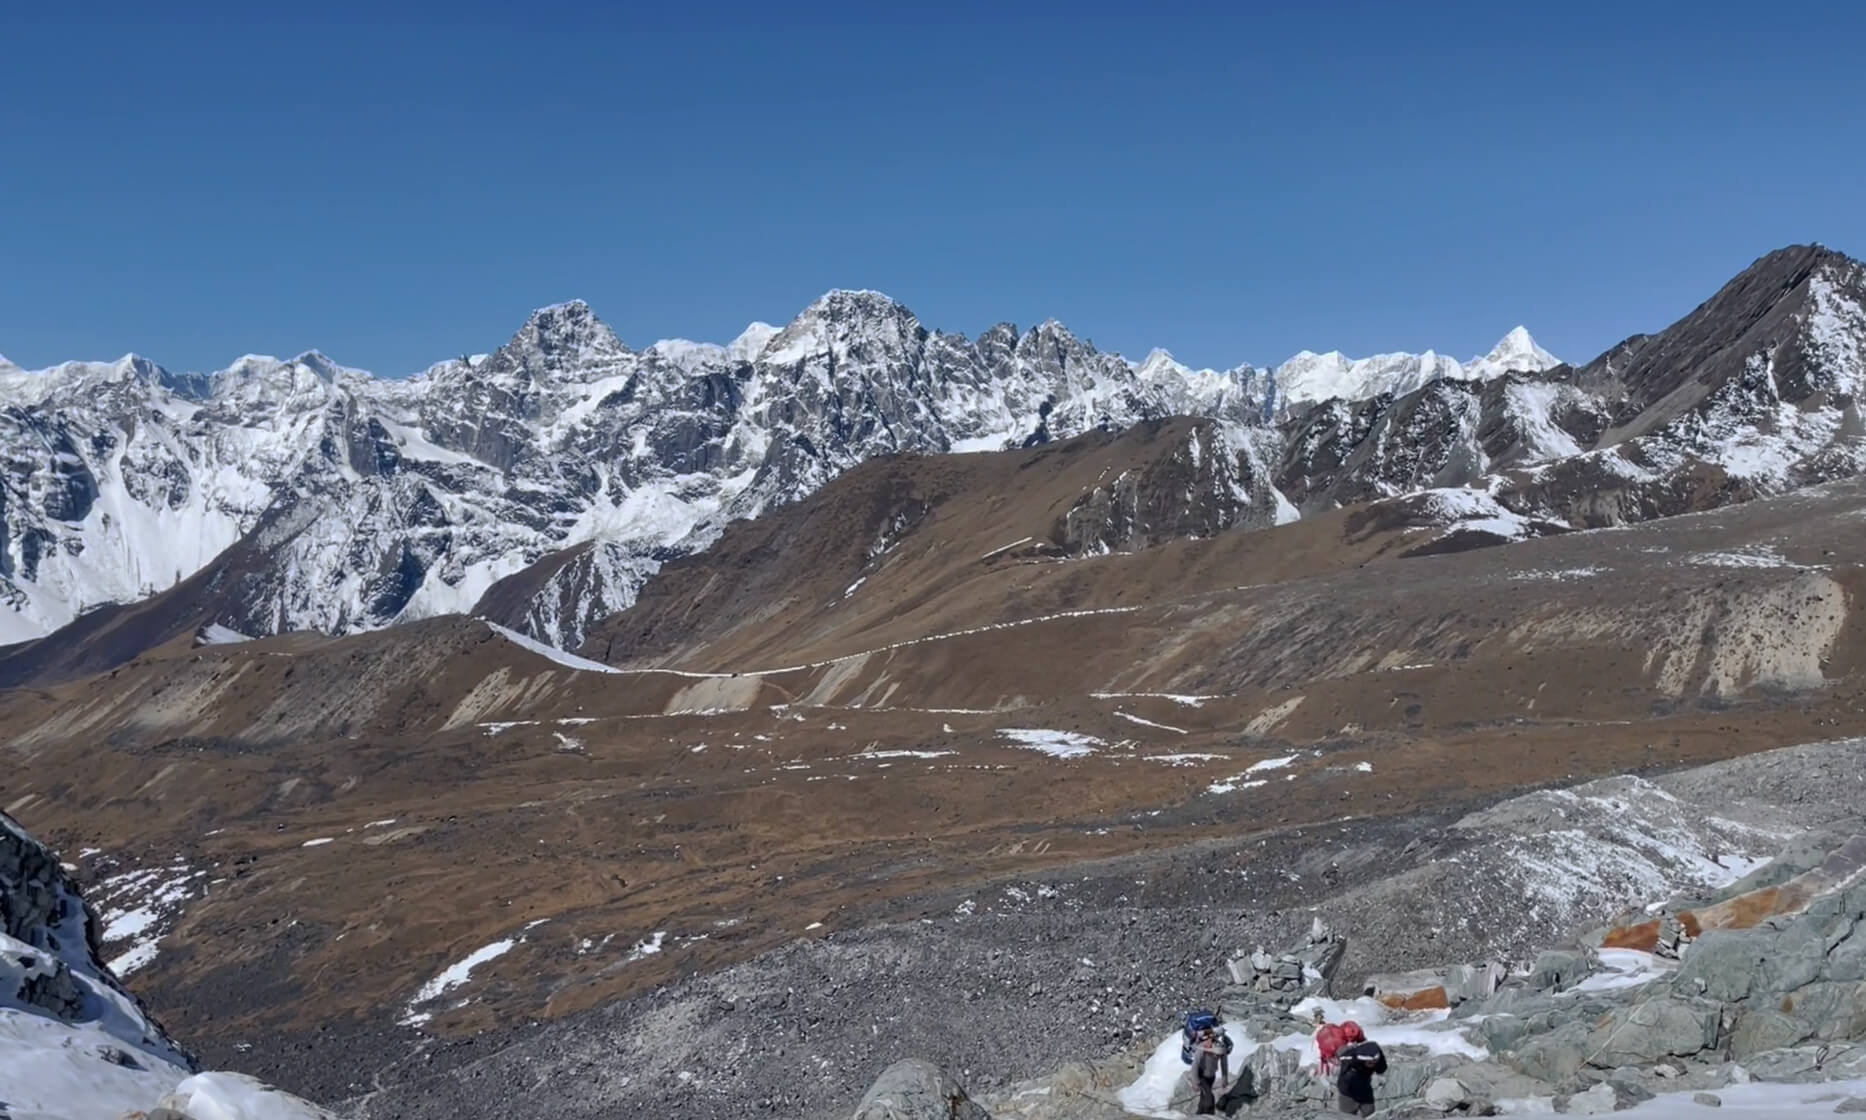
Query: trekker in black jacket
{"type": "Point", "coordinates": [1360, 1060]}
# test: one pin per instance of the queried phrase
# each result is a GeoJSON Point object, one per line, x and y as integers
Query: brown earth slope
{"type": "Point", "coordinates": [867, 699]}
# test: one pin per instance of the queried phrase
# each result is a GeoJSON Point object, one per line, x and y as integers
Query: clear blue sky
{"type": "Point", "coordinates": [1233, 181]}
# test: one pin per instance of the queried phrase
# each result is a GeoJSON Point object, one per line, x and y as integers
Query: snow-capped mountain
{"type": "Point", "coordinates": [357, 501]}
{"type": "Point", "coordinates": [560, 471]}
{"type": "Point", "coordinates": [1318, 377]}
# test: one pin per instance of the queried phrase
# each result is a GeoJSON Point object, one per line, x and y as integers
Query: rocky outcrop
{"type": "Point", "coordinates": [1583, 1030]}
{"type": "Point", "coordinates": [917, 1090]}
{"type": "Point", "coordinates": [73, 1042]}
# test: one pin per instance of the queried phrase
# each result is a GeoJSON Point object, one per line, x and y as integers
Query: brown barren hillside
{"type": "Point", "coordinates": [924, 678]}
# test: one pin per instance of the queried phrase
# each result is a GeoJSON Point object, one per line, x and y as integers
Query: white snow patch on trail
{"type": "Point", "coordinates": [1132, 718]}
{"type": "Point", "coordinates": [1181, 698]}
{"type": "Point", "coordinates": [1057, 744]}
{"type": "Point", "coordinates": [1184, 758]}
{"type": "Point", "coordinates": [566, 659]}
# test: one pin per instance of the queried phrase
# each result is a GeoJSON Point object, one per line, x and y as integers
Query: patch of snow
{"type": "Point", "coordinates": [1057, 744]}
{"type": "Point", "coordinates": [218, 635]}
{"type": "Point", "coordinates": [1184, 758]}
{"type": "Point", "coordinates": [317, 843]}
{"type": "Point", "coordinates": [1758, 1099]}
{"type": "Point", "coordinates": [1271, 763]}
{"type": "Point", "coordinates": [1625, 968]}
{"type": "Point", "coordinates": [139, 907]}
{"type": "Point", "coordinates": [1131, 718]}
{"type": "Point", "coordinates": [1235, 784]}
{"type": "Point", "coordinates": [648, 948]}
{"type": "Point", "coordinates": [1004, 548]}
{"type": "Point", "coordinates": [561, 657]}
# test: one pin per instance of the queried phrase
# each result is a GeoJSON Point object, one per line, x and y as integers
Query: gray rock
{"type": "Point", "coordinates": [1723, 964]}
{"type": "Point", "coordinates": [1598, 1101]}
{"type": "Point", "coordinates": [1758, 1031]}
{"type": "Point", "coordinates": [1558, 969]}
{"type": "Point", "coordinates": [1851, 1104]}
{"type": "Point", "coordinates": [913, 1089]}
{"type": "Point", "coordinates": [1446, 1094]}
{"type": "Point", "coordinates": [1795, 959]}
{"type": "Point", "coordinates": [1656, 1029]}
{"type": "Point", "coordinates": [1553, 1057]}
{"type": "Point", "coordinates": [1708, 1100]}
{"type": "Point", "coordinates": [1847, 960]}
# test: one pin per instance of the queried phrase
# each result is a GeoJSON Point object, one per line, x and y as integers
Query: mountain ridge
{"type": "Point", "coordinates": [381, 501]}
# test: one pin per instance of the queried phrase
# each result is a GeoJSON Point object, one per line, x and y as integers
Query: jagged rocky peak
{"type": "Point", "coordinates": [843, 323]}
{"type": "Point", "coordinates": [561, 340]}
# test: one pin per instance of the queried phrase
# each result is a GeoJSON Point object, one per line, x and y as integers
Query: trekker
{"type": "Point", "coordinates": [1360, 1060]}
{"type": "Point", "coordinates": [1328, 1043]}
{"type": "Point", "coordinates": [1212, 1066]}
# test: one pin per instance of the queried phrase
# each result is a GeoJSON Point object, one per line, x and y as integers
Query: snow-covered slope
{"type": "Point", "coordinates": [74, 1045]}
{"type": "Point", "coordinates": [1318, 377]}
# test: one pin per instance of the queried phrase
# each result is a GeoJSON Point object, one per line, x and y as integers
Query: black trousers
{"type": "Point", "coordinates": [1352, 1107]}
{"type": "Point", "coordinates": [1208, 1104]}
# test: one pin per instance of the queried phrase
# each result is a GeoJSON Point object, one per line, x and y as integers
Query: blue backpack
{"type": "Point", "coordinates": [1198, 1022]}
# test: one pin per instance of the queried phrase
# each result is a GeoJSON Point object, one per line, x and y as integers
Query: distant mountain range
{"type": "Point", "coordinates": [559, 472]}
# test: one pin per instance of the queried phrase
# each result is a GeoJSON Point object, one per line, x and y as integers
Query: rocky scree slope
{"type": "Point", "coordinates": [1091, 963]}
{"type": "Point", "coordinates": [358, 501]}
{"type": "Point", "coordinates": [74, 1044]}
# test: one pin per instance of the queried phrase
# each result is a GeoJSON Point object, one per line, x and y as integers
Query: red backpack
{"type": "Point", "coordinates": [1329, 1040]}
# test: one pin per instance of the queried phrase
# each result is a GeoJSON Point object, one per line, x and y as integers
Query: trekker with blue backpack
{"type": "Point", "coordinates": [1207, 1049]}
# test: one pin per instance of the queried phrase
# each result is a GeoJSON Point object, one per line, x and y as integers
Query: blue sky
{"type": "Point", "coordinates": [1232, 181]}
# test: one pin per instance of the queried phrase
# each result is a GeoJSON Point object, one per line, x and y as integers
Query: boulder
{"type": "Point", "coordinates": [1795, 958]}
{"type": "Point", "coordinates": [1446, 1094]}
{"type": "Point", "coordinates": [1708, 1100]}
{"type": "Point", "coordinates": [915, 1089]}
{"type": "Point", "coordinates": [1834, 1012]}
{"type": "Point", "coordinates": [1558, 969]}
{"type": "Point", "coordinates": [1851, 1104]}
{"type": "Point", "coordinates": [1758, 1031]}
{"type": "Point", "coordinates": [1598, 1101]}
{"type": "Point", "coordinates": [1653, 1030]}
{"type": "Point", "coordinates": [1724, 964]}
{"type": "Point", "coordinates": [1553, 1057]}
